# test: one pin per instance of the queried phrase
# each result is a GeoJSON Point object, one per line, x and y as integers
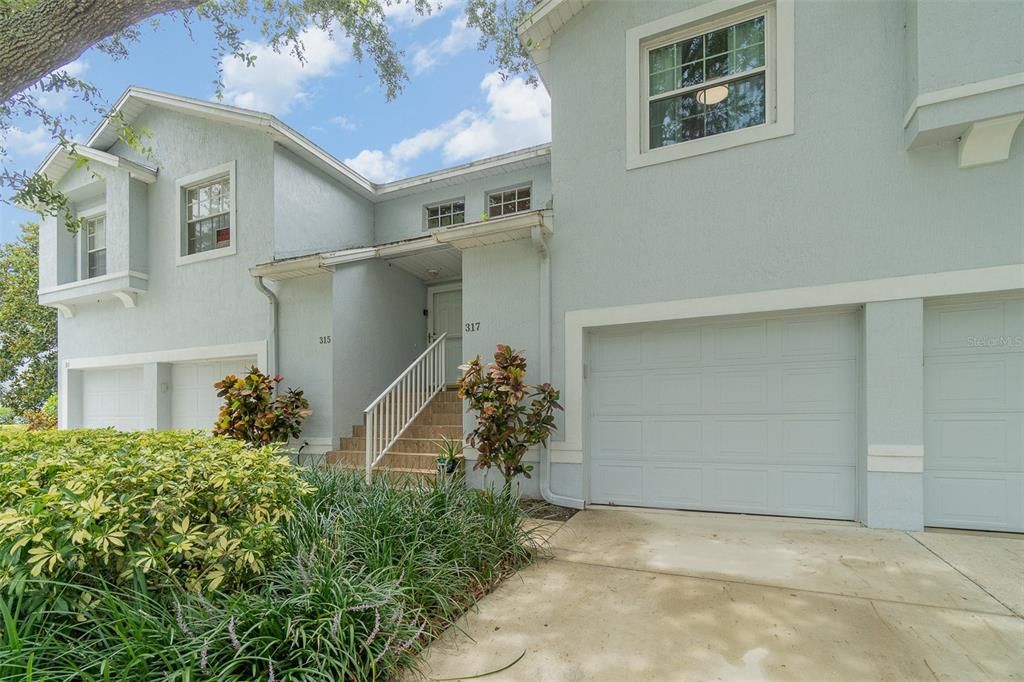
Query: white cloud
{"type": "Point", "coordinates": [460, 38]}
{"type": "Point", "coordinates": [21, 143]}
{"type": "Point", "coordinates": [278, 81]}
{"type": "Point", "coordinates": [403, 14]}
{"type": "Point", "coordinates": [57, 101]}
{"type": "Point", "coordinates": [518, 115]}
{"type": "Point", "coordinates": [344, 122]}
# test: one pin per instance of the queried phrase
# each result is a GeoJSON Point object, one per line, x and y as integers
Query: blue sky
{"type": "Point", "coordinates": [455, 108]}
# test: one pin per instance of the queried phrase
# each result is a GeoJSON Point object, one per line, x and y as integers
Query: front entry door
{"type": "Point", "coordinates": [444, 314]}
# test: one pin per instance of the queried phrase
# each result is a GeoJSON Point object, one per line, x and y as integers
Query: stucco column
{"type": "Point", "coordinates": [156, 396]}
{"type": "Point", "coordinates": [118, 203]}
{"type": "Point", "coordinates": [69, 403]}
{"type": "Point", "coordinates": [894, 414]}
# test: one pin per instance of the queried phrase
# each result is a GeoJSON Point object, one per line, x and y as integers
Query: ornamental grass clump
{"type": "Point", "coordinates": [156, 510]}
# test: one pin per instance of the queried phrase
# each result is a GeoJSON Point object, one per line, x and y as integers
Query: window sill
{"type": "Point", "coordinates": [206, 255]}
{"type": "Point", "coordinates": [122, 286]}
{"type": "Point", "coordinates": [708, 145]}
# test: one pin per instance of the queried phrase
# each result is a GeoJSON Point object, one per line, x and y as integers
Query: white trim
{"type": "Point", "coordinates": [182, 185]}
{"type": "Point", "coordinates": [93, 280]}
{"type": "Point", "coordinates": [896, 458]}
{"type": "Point", "coordinates": [979, 280]}
{"type": "Point", "coordinates": [219, 352]}
{"type": "Point", "coordinates": [105, 135]}
{"type": "Point", "coordinates": [988, 141]}
{"type": "Point", "coordinates": [779, 50]}
{"type": "Point", "coordinates": [962, 91]}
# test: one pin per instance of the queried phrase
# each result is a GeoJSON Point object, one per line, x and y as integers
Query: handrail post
{"type": "Point", "coordinates": [369, 445]}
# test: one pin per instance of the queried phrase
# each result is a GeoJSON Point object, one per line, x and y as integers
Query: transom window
{"type": "Point", "coordinates": [446, 214]}
{"type": "Point", "coordinates": [509, 201]}
{"type": "Point", "coordinates": [96, 246]}
{"type": "Point", "coordinates": [208, 216]}
{"type": "Point", "coordinates": [707, 83]}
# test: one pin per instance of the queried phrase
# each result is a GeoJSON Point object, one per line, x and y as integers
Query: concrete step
{"type": "Point", "coordinates": [405, 461]}
{"type": "Point", "coordinates": [414, 445]}
{"type": "Point", "coordinates": [420, 430]}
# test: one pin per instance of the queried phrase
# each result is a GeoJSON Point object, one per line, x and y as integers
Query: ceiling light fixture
{"type": "Point", "coordinates": [713, 95]}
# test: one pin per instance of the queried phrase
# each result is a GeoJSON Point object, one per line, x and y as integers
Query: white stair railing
{"type": "Point", "coordinates": [394, 410]}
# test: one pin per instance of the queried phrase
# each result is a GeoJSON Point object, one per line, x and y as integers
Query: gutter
{"type": "Point", "coordinates": [272, 341]}
{"type": "Point", "coordinates": [538, 237]}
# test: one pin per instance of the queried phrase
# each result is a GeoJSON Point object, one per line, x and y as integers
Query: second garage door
{"type": "Point", "coordinates": [752, 414]}
{"type": "Point", "coordinates": [194, 401]}
{"type": "Point", "coordinates": [112, 397]}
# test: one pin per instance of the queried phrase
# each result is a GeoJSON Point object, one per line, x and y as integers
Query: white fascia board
{"type": "Point", "coordinates": [546, 19]}
{"type": "Point", "coordinates": [474, 232]}
{"type": "Point", "coordinates": [520, 156]}
{"type": "Point", "coordinates": [309, 265]}
{"type": "Point", "coordinates": [347, 256]}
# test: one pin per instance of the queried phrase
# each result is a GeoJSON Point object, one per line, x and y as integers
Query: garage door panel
{"type": "Point", "coordinates": [674, 439]}
{"type": "Point", "coordinates": [819, 440]}
{"type": "Point", "coordinates": [819, 388]}
{"type": "Point", "coordinates": [618, 482]}
{"type": "Point", "coordinates": [611, 394]}
{"type": "Point", "coordinates": [984, 500]}
{"type": "Point", "coordinates": [738, 341]}
{"type": "Point", "coordinates": [964, 384]}
{"type": "Point", "coordinates": [826, 493]}
{"type": "Point", "coordinates": [672, 485]}
{"type": "Point", "coordinates": [813, 336]}
{"type": "Point", "coordinates": [672, 392]}
{"type": "Point", "coordinates": [617, 351]}
{"type": "Point", "coordinates": [992, 441]}
{"type": "Point", "coordinates": [747, 440]}
{"type": "Point", "coordinates": [742, 489]}
{"type": "Point", "coordinates": [618, 438]}
{"type": "Point", "coordinates": [673, 347]}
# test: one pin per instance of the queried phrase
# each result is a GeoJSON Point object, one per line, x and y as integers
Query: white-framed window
{"type": "Point", "coordinates": [713, 77]}
{"type": "Point", "coordinates": [94, 236]}
{"type": "Point", "coordinates": [508, 201]}
{"type": "Point", "coordinates": [445, 214]}
{"type": "Point", "coordinates": [207, 214]}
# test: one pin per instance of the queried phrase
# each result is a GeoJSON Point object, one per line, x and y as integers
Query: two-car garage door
{"type": "Point", "coordinates": [115, 396]}
{"type": "Point", "coordinates": [752, 414]}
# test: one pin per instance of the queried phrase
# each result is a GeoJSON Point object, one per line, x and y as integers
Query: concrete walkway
{"type": "Point", "coordinates": [651, 595]}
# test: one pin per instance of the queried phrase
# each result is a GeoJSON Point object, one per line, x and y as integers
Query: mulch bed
{"type": "Point", "coordinates": [545, 511]}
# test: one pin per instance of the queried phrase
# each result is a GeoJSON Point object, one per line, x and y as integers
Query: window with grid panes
{"type": "Point", "coordinates": [208, 216]}
{"type": "Point", "coordinates": [508, 201]}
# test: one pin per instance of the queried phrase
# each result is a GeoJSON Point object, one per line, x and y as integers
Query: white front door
{"type": "Point", "coordinates": [752, 414]}
{"type": "Point", "coordinates": [444, 314]}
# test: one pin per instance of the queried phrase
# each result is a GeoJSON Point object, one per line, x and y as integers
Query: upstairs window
{"type": "Point", "coordinates": [95, 234]}
{"type": "Point", "coordinates": [707, 84]}
{"type": "Point", "coordinates": [446, 214]}
{"type": "Point", "coordinates": [712, 77]}
{"type": "Point", "coordinates": [208, 216]}
{"type": "Point", "coordinates": [508, 201]}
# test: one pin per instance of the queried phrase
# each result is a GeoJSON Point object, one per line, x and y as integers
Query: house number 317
{"type": "Point", "coordinates": [472, 326]}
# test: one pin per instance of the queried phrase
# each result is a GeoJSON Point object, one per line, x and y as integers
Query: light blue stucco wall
{"type": "Point", "coordinates": [379, 328]}
{"type": "Point", "coordinates": [402, 217]}
{"type": "Point", "coordinates": [306, 356]}
{"type": "Point", "coordinates": [314, 213]}
{"type": "Point", "coordinates": [201, 303]}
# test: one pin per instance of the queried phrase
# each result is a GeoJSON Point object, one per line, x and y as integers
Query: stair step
{"type": "Point", "coordinates": [428, 431]}
{"type": "Point", "coordinates": [413, 445]}
{"type": "Point", "coordinates": [411, 461]}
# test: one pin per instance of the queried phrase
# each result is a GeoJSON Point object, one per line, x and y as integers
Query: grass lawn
{"type": "Point", "coordinates": [13, 427]}
{"type": "Point", "coordinates": [350, 584]}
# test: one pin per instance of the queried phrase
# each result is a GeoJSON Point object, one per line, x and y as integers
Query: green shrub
{"type": "Point", "coordinates": [251, 412]}
{"type": "Point", "coordinates": [6, 416]}
{"type": "Point", "coordinates": [367, 575]}
{"type": "Point", "coordinates": [140, 508]}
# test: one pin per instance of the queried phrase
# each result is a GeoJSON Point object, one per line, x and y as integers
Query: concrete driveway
{"type": "Point", "coordinates": [651, 595]}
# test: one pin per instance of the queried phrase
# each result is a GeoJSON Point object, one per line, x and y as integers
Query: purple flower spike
{"type": "Point", "coordinates": [232, 636]}
{"type": "Point", "coordinates": [180, 617]}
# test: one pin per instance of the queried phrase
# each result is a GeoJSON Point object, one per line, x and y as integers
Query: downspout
{"type": "Point", "coordinates": [272, 341]}
{"type": "Point", "coordinates": [544, 479]}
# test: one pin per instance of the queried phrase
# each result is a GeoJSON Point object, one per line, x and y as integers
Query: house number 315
{"type": "Point", "coordinates": [325, 340]}
{"type": "Point", "coordinates": [472, 326]}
